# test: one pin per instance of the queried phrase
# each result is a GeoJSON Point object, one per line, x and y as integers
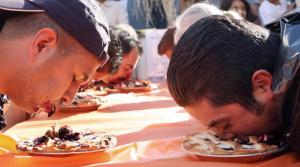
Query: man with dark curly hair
{"type": "Point", "coordinates": [131, 50]}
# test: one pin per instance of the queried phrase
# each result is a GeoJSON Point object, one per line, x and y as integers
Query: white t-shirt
{"type": "Point", "coordinates": [115, 11]}
{"type": "Point", "coordinates": [269, 12]}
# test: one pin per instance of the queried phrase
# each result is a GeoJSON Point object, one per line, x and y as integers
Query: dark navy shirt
{"type": "Point", "coordinates": [3, 100]}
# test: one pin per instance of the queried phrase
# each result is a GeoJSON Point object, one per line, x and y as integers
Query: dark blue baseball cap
{"type": "Point", "coordinates": [83, 19]}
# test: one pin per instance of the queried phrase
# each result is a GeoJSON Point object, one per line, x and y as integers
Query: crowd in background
{"type": "Point", "coordinates": [142, 14]}
{"type": "Point", "coordinates": [178, 15]}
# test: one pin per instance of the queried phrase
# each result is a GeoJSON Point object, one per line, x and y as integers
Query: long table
{"type": "Point", "coordinates": [149, 127]}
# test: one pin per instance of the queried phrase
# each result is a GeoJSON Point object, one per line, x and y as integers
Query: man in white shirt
{"type": "Point", "coordinates": [271, 10]}
{"type": "Point", "coordinates": [115, 11]}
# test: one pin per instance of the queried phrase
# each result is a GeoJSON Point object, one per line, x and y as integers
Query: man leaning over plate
{"type": "Point", "coordinates": [48, 48]}
{"type": "Point", "coordinates": [232, 85]}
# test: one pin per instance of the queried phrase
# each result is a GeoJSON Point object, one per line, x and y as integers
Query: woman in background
{"type": "Point", "coordinates": [240, 6]}
{"type": "Point", "coordinates": [196, 12]}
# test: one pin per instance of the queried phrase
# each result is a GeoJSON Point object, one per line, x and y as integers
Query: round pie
{"type": "Point", "coordinates": [83, 101]}
{"type": "Point", "coordinates": [135, 86]}
{"type": "Point", "coordinates": [209, 143]}
{"type": "Point", "coordinates": [65, 140]}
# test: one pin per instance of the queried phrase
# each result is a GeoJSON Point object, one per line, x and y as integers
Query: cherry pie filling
{"type": "Point", "coordinates": [66, 140]}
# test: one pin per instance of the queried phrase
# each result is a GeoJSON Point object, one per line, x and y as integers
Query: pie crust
{"type": "Point", "coordinates": [208, 143]}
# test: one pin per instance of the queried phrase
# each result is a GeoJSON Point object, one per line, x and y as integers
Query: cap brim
{"type": "Point", "coordinates": [12, 6]}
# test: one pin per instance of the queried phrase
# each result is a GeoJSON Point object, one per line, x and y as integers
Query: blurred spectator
{"type": "Point", "coordinates": [254, 4]}
{"type": "Point", "coordinates": [291, 4]}
{"type": "Point", "coordinates": [185, 4]}
{"type": "Point", "coordinates": [115, 11]}
{"type": "Point", "coordinates": [216, 3]}
{"type": "Point", "coordinates": [270, 10]}
{"type": "Point", "coordinates": [151, 13]}
{"type": "Point", "coordinates": [194, 13]}
{"type": "Point", "coordinates": [297, 3]}
{"type": "Point", "coordinates": [240, 6]}
{"type": "Point", "coordinates": [166, 44]}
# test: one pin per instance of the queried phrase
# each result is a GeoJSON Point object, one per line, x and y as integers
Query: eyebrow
{"type": "Point", "coordinates": [86, 77]}
{"type": "Point", "coordinates": [131, 66]}
{"type": "Point", "coordinates": [212, 123]}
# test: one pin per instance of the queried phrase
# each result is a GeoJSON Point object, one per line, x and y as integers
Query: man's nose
{"type": "Point", "coordinates": [70, 93]}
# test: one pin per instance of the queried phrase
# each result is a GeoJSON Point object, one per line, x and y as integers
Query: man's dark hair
{"type": "Point", "coordinates": [167, 41]}
{"type": "Point", "coordinates": [216, 58]}
{"type": "Point", "coordinates": [128, 42]}
{"type": "Point", "coordinates": [121, 43]}
{"type": "Point", "coordinates": [115, 53]}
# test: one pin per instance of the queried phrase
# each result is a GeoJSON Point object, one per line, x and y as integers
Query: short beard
{"type": "Point", "coordinates": [259, 108]}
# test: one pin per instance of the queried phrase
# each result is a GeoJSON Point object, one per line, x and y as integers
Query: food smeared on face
{"type": "Point", "coordinates": [49, 107]}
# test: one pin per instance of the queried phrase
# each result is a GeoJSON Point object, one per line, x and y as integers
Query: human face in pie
{"type": "Point", "coordinates": [57, 81]}
{"type": "Point", "coordinates": [47, 77]}
{"type": "Point", "coordinates": [129, 63]}
{"type": "Point", "coordinates": [232, 120]}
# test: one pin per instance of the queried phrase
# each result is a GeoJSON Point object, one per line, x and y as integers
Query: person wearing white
{"type": "Point", "coordinates": [196, 12]}
{"type": "Point", "coordinates": [115, 11]}
{"type": "Point", "coordinates": [297, 3]}
{"type": "Point", "coordinates": [270, 10]}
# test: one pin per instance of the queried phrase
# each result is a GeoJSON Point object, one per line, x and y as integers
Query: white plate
{"type": "Point", "coordinates": [253, 157]}
{"type": "Point", "coordinates": [65, 153]}
{"type": "Point", "coordinates": [72, 152]}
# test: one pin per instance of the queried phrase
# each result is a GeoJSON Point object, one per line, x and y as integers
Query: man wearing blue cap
{"type": "Point", "coordinates": [48, 48]}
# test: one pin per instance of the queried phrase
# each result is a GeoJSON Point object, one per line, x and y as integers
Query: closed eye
{"type": "Point", "coordinates": [220, 125]}
{"type": "Point", "coordinates": [80, 79]}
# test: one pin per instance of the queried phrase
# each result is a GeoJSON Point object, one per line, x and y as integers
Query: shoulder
{"type": "Point", "coordinates": [264, 4]}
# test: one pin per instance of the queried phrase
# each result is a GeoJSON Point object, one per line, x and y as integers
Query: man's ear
{"type": "Point", "coordinates": [261, 85]}
{"type": "Point", "coordinates": [44, 43]}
